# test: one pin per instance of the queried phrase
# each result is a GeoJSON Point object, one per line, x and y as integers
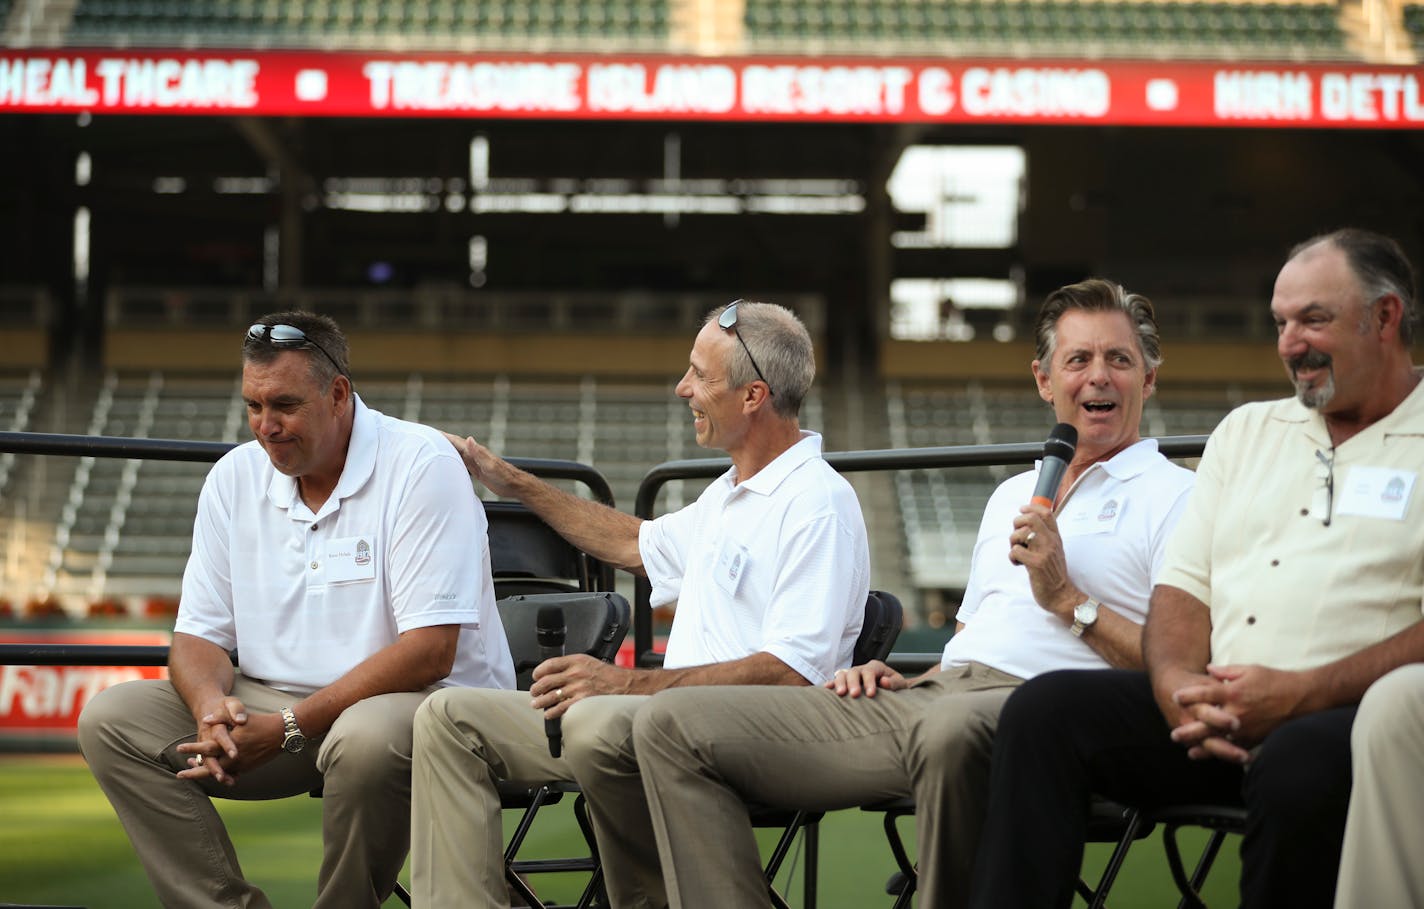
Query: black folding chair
{"type": "Point", "coordinates": [527, 556]}
{"type": "Point", "coordinates": [596, 624]}
{"type": "Point", "coordinates": [883, 618]}
{"type": "Point", "coordinates": [1108, 822]}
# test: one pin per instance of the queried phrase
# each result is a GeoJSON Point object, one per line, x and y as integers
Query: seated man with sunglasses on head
{"type": "Point", "coordinates": [770, 572]}
{"type": "Point", "coordinates": [343, 555]}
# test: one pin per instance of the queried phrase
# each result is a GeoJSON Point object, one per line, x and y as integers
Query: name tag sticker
{"type": "Point", "coordinates": [732, 563]}
{"type": "Point", "coordinates": [1082, 519]}
{"type": "Point", "coordinates": [351, 559]}
{"type": "Point", "coordinates": [1375, 492]}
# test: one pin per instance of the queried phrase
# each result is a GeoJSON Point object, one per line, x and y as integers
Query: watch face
{"type": "Point", "coordinates": [1086, 613]}
{"type": "Point", "coordinates": [294, 742]}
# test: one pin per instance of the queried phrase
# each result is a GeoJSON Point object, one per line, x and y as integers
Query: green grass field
{"type": "Point", "coordinates": [60, 844]}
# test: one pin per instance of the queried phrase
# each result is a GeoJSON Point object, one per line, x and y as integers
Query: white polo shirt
{"type": "Point", "coordinates": [779, 563]}
{"type": "Point", "coordinates": [1115, 522]}
{"type": "Point", "coordinates": [401, 543]}
{"type": "Point", "coordinates": [1286, 590]}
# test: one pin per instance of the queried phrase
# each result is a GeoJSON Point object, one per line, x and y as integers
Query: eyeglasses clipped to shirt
{"type": "Point", "coordinates": [728, 322]}
{"type": "Point", "coordinates": [288, 337]}
{"type": "Point", "coordinates": [1325, 473]}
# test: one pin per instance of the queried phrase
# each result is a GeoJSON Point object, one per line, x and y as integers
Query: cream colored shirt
{"type": "Point", "coordinates": [1285, 589]}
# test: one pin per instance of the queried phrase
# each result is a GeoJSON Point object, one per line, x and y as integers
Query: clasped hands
{"type": "Point", "coordinates": [1228, 711]}
{"type": "Point", "coordinates": [231, 741]}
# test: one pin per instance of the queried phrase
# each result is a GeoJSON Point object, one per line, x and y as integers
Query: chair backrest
{"type": "Point", "coordinates": [596, 623]}
{"type": "Point", "coordinates": [883, 618]}
{"type": "Point", "coordinates": [527, 556]}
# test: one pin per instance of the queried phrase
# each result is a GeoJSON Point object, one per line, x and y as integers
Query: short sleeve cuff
{"type": "Point", "coordinates": [467, 616]}
{"type": "Point", "coordinates": [1172, 576]}
{"type": "Point", "coordinates": [207, 633]}
{"type": "Point", "coordinates": [666, 584]}
{"type": "Point", "coordinates": [803, 667]}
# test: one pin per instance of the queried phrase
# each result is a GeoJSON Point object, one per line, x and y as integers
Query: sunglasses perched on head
{"type": "Point", "coordinates": [727, 321]}
{"type": "Point", "coordinates": [285, 337]}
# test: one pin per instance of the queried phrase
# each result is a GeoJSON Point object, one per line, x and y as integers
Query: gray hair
{"type": "Point", "coordinates": [781, 346]}
{"type": "Point", "coordinates": [1097, 295]}
{"type": "Point", "coordinates": [1379, 265]}
{"type": "Point", "coordinates": [333, 357]}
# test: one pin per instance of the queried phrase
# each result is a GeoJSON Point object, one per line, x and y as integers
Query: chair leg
{"type": "Point", "coordinates": [521, 887]}
{"type": "Point", "coordinates": [1203, 868]}
{"type": "Point", "coordinates": [516, 839]}
{"type": "Point", "coordinates": [593, 893]}
{"type": "Point", "coordinates": [778, 855]}
{"type": "Point", "coordinates": [897, 845]}
{"type": "Point", "coordinates": [1097, 899]}
{"type": "Point", "coordinates": [812, 839]}
{"type": "Point", "coordinates": [783, 845]}
{"type": "Point", "coordinates": [908, 872]}
{"type": "Point", "coordinates": [1191, 898]}
{"type": "Point", "coordinates": [907, 894]}
{"type": "Point", "coordinates": [401, 893]}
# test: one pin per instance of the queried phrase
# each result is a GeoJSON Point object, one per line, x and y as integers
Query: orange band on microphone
{"type": "Point", "coordinates": [1040, 500]}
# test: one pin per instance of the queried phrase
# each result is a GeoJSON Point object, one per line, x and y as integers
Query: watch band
{"type": "Point", "coordinates": [1085, 616]}
{"type": "Point", "coordinates": [293, 740]}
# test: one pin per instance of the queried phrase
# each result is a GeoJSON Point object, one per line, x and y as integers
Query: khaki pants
{"type": "Point", "coordinates": [468, 739]}
{"type": "Point", "coordinates": [129, 735]}
{"type": "Point", "coordinates": [706, 752]}
{"type": "Point", "coordinates": [1379, 865]}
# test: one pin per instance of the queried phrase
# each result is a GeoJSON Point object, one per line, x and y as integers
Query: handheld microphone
{"type": "Point", "coordinates": [1057, 455]}
{"type": "Point", "coordinates": [550, 629]}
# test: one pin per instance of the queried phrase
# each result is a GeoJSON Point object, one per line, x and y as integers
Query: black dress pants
{"type": "Point", "coordinates": [1064, 736]}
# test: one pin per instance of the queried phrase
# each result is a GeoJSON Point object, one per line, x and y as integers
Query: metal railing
{"type": "Point", "coordinates": [850, 462]}
{"type": "Point", "coordinates": [652, 483]}
{"type": "Point", "coordinates": [54, 444]}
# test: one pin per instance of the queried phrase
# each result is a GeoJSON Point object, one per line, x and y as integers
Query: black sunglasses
{"type": "Point", "coordinates": [728, 322]}
{"type": "Point", "coordinates": [288, 337]}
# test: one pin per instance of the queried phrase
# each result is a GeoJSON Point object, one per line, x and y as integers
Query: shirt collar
{"type": "Point", "coordinates": [766, 480]}
{"type": "Point", "coordinates": [1132, 460]}
{"type": "Point", "coordinates": [360, 465]}
{"type": "Point", "coordinates": [1126, 464]}
{"type": "Point", "coordinates": [1408, 415]}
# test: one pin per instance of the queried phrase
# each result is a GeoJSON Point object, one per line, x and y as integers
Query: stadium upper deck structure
{"type": "Point", "coordinates": [1067, 28]}
{"type": "Point", "coordinates": [520, 208]}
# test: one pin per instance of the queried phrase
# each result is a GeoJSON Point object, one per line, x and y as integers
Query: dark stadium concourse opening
{"type": "Point", "coordinates": [475, 205]}
{"type": "Point", "coordinates": [1193, 217]}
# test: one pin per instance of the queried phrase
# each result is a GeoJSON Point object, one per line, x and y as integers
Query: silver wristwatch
{"type": "Point", "coordinates": [1084, 615]}
{"type": "Point", "coordinates": [292, 741]}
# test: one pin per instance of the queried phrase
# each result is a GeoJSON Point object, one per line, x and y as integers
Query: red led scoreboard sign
{"type": "Point", "coordinates": [280, 83]}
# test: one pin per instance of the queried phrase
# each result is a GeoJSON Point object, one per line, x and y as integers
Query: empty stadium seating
{"type": "Point", "coordinates": [1414, 26]}
{"type": "Point", "coordinates": [17, 402]}
{"type": "Point", "coordinates": [1057, 27]}
{"type": "Point", "coordinates": [365, 22]}
{"type": "Point", "coordinates": [1150, 28]}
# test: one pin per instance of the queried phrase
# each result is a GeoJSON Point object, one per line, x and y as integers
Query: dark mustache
{"type": "Point", "coordinates": [1312, 359]}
